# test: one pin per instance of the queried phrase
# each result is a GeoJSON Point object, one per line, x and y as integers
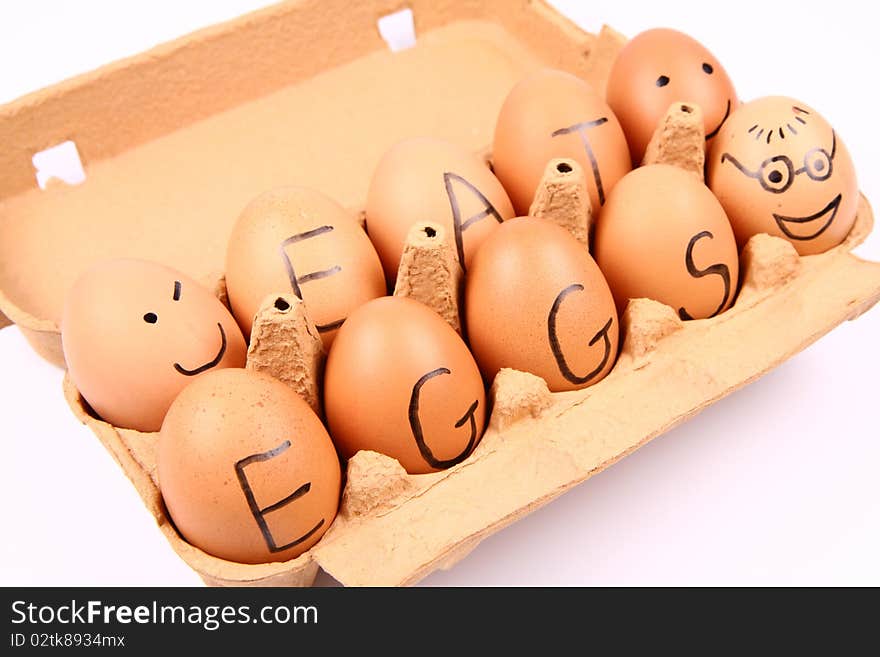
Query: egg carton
{"type": "Point", "coordinates": [290, 116]}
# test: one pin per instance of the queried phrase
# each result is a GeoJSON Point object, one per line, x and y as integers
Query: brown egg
{"type": "Point", "coordinates": [246, 469]}
{"type": "Point", "coordinates": [551, 114]}
{"type": "Point", "coordinates": [400, 381]}
{"type": "Point", "coordinates": [660, 67]}
{"type": "Point", "coordinates": [430, 180]}
{"type": "Point", "coordinates": [664, 236]}
{"type": "Point", "coordinates": [779, 168]}
{"type": "Point", "coordinates": [536, 302]}
{"type": "Point", "coordinates": [135, 333]}
{"type": "Point", "coordinates": [297, 239]}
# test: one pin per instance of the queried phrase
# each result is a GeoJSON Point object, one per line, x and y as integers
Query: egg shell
{"type": "Point", "coordinates": [664, 236]}
{"type": "Point", "coordinates": [135, 333]}
{"type": "Point", "coordinates": [778, 167]}
{"type": "Point", "coordinates": [659, 67]}
{"type": "Point", "coordinates": [246, 469]}
{"type": "Point", "coordinates": [400, 381]}
{"type": "Point", "coordinates": [535, 301]}
{"type": "Point", "coordinates": [553, 114]}
{"type": "Point", "coordinates": [423, 179]}
{"type": "Point", "coordinates": [297, 239]}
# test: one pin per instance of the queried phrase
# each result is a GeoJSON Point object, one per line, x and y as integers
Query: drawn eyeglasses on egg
{"type": "Point", "coordinates": [776, 174]}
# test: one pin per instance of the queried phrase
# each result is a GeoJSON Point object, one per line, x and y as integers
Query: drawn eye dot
{"type": "Point", "coordinates": [820, 165]}
{"type": "Point", "coordinates": [151, 318]}
{"type": "Point", "coordinates": [662, 81]}
{"type": "Point", "coordinates": [707, 68]}
{"type": "Point", "coordinates": [775, 177]}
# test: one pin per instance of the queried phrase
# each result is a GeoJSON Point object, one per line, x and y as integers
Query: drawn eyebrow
{"type": "Point", "coordinates": [176, 290]}
{"type": "Point", "coordinates": [799, 110]}
{"type": "Point", "coordinates": [739, 165]}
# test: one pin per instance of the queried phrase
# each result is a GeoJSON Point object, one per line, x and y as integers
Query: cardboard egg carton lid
{"type": "Point", "coordinates": [176, 141]}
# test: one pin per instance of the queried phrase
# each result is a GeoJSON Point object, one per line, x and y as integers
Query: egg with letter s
{"type": "Point", "coordinates": [664, 236]}
{"type": "Point", "coordinates": [535, 301]}
{"type": "Point", "coordinates": [135, 333]}
{"type": "Point", "coordinates": [401, 382]}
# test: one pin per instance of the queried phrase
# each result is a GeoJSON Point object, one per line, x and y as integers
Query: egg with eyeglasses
{"type": "Point", "coordinates": [296, 239]}
{"type": "Point", "coordinates": [778, 167]}
{"type": "Point", "coordinates": [135, 333]}
{"type": "Point", "coordinates": [664, 236]}
{"type": "Point", "coordinates": [400, 381]}
{"type": "Point", "coordinates": [246, 469]}
{"type": "Point", "coordinates": [535, 301]}
{"type": "Point", "coordinates": [553, 114]}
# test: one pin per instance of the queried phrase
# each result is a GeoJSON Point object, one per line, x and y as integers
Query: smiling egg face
{"type": "Point", "coordinates": [660, 67]}
{"type": "Point", "coordinates": [135, 333]}
{"type": "Point", "coordinates": [779, 168]}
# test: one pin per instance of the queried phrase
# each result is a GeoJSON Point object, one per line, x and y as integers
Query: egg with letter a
{"type": "Point", "coordinates": [401, 382]}
{"type": "Point", "coordinates": [535, 301]}
{"type": "Point", "coordinates": [424, 179]}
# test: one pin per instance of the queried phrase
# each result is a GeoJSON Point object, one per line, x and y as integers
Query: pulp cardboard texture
{"type": "Point", "coordinates": [176, 141]}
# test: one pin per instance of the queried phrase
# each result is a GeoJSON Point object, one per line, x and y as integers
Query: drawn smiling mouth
{"type": "Point", "coordinates": [212, 363]}
{"type": "Point", "coordinates": [816, 222]}
{"type": "Point", "coordinates": [718, 127]}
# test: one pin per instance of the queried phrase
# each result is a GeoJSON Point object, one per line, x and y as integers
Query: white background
{"type": "Point", "coordinates": [774, 485]}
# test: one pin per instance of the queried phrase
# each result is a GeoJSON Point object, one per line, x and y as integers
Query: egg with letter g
{"type": "Point", "coordinates": [535, 301]}
{"type": "Point", "coordinates": [246, 469]}
{"type": "Point", "coordinates": [294, 239]}
{"type": "Point", "coordinates": [400, 381]}
{"type": "Point", "coordinates": [135, 333]}
{"type": "Point", "coordinates": [664, 236]}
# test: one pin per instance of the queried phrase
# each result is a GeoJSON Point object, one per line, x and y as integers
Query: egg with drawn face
{"type": "Point", "coordinates": [778, 167]}
{"type": "Point", "coordinates": [135, 333]}
{"type": "Point", "coordinates": [657, 68]}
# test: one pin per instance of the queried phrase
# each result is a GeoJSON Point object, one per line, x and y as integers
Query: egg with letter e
{"type": "Point", "coordinates": [295, 239]}
{"type": "Point", "coordinates": [535, 301]}
{"type": "Point", "coordinates": [778, 167]}
{"type": "Point", "coordinates": [246, 469]}
{"type": "Point", "coordinates": [400, 381]}
{"type": "Point", "coordinates": [664, 236]}
{"type": "Point", "coordinates": [135, 333]}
